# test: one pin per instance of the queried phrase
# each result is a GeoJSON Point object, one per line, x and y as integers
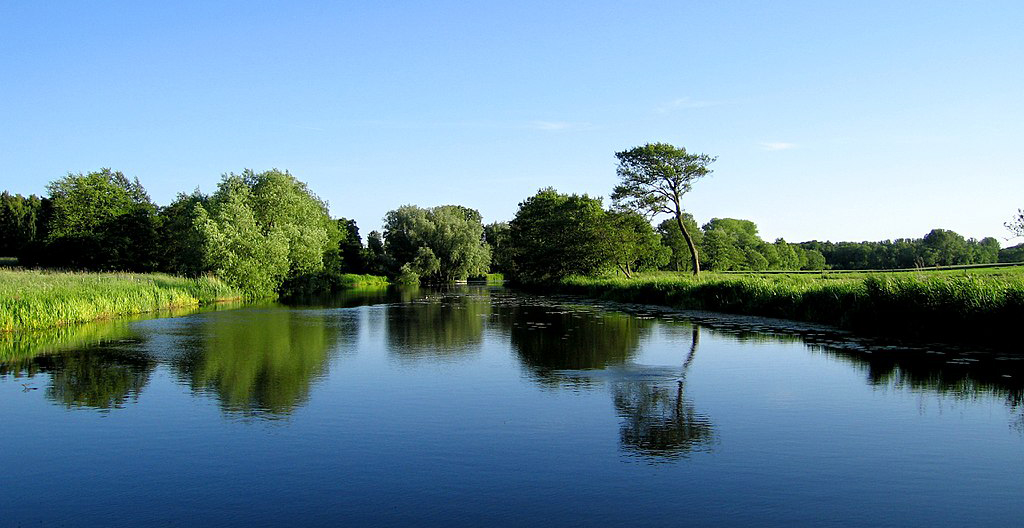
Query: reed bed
{"type": "Point", "coordinates": [961, 306]}
{"type": "Point", "coordinates": [352, 280]}
{"type": "Point", "coordinates": [43, 299]}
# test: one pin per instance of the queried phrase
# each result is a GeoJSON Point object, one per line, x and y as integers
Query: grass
{"type": "Point", "coordinates": [32, 300]}
{"type": "Point", "coordinates": [962, 305]}
{"type": "Point", "coordinates": [352, 280]}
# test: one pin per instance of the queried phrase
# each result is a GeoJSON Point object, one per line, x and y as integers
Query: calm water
{"type": "Point", "coordinates": [480, 407]}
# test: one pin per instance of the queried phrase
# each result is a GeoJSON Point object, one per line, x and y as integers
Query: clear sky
{"type": "Point", "coordinates": [831, 120]}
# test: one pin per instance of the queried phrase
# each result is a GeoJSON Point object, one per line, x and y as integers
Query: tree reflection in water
{"type": "Point", "coordinates": [437, 326]}
{"type": "Point", "coordinates": [104, 376]}
{"type": "Point", "coordinates": [552, 341]}
{"type": "Point", "coordinates": [582, 348]}
{"type": "Point", "coordinates": [658, 420]}
{"type": "Point", "coordinates": [263, 362]}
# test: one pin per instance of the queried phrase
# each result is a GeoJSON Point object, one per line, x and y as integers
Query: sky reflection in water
{"type": "Point", "coordinates": [479, 405]}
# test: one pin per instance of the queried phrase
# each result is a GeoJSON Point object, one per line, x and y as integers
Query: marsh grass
{"type": "Point", "coordinates": [32, 300]}
{"type": "Point", "coordinates": [354, 281]}
{"type": "Point", "coordinates": [983, 305]}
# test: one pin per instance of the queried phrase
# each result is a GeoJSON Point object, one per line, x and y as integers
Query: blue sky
{"type": "Point", "coordinates": [831, 120]}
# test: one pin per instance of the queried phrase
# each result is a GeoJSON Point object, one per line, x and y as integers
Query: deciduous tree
{"type": "Point", "coordinates": [100, 220]}
{"type": "Point", "coordinates": [554, 235]}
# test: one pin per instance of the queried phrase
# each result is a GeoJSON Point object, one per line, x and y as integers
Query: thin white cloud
{"type": "Point", "coordinates": [686, 103]}
{"type": "Point", "coordinates": [777, 145]}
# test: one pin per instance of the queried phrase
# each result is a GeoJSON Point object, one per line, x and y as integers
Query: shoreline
{"type": "Point", "coordinates": [956, 309]}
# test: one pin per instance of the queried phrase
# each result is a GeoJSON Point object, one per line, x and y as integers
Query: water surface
{"type": "Point", "coordinates": [480, 406]}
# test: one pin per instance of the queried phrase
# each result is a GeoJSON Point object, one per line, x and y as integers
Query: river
{"type": "Point", "coordinates": [480, 406]}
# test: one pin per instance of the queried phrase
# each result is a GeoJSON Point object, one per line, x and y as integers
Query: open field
{"type": "Point", "coordinates": [963, 305]}
{"type": "Point", "coordinates": [42, 299]}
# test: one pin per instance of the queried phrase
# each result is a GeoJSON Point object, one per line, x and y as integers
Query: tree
{"type": "Point", "coordinates": [453, 235]}
{"type": "Point", "coordinates": [654, 178]}
{"type": "Point", "coordinates": [236, 246]}
{"type": "Point", "coordinates": [1016, 226]}
{"type": "Point", "coordinates": [497, 235]}
{"type": "Point", "coordinates": [812, 259]}
{"type": "Point", "coordinates": [554, 235]}
{"type": "Point", "coordinates": [102, 221]}
{"type": "Point", "coordinates": [353, 254]}
{"type": "Point", "coordinates": [264, 228]}
{"type": "Point", "coordinates": [634, 246]}
{"type": "Point", "coordinates": [283, 203]}
{"type": "Point", "coordinates": [376, 257]}
{"type": "Point", "coordinates": [19, 222]}
{"type": "Point", "coordinates": [945, 248]}
{"type": "Point", "coordinates": [181, 247]}
{"type": "Point", "coordinates": [733, 244]}
{"type": "Point", "coordinates": [1012, 254]}
{"type": "Point", "coordinates": [681, 259]}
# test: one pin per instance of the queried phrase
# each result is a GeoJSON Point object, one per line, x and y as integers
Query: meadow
{"type": "Point", "coordinates": [32, 300]}
{"type": "Point", "coordinates": [966, 305]}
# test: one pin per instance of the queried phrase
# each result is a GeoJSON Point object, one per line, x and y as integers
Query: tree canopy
{"type": "Point", "coordinates": [264, 228]}
{"type": "Point", "coordinates": [100, 221]}
{"type": "Point", "coordinates": [633, 243]}
{"type": "Point", "coordinates": [653, 179]}
{"type": "Point", "coordinates": [554, 235]}
{"type": "Point", "coordinates": [436, 244]}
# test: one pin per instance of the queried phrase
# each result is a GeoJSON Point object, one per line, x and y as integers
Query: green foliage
{"type": "Point", "coordinates": [352, 252]}
{"type": "Point", "coordinates": [732, 244]}
{"type": "Point", "coordinates": [944, 248]}
{"type": "Point", "coordinates": [939, 247]}
{"type": "Point", "coordinates": [498, 237]}
{"type": "Point", "coordinates": [439, 244]}
{"type": "Point", "coordinates": [100, 221]}
{"type": "Point", "coordinates": [680, 258]}
{"type": "Point", "coordinates": [653, 179]}
{"type": "Point", "coordinates": [634, 246]}
{"type": "Point", "coordinates": [19, 222]}
{"type": "Point", "coordinates": [1012, 254]}
{"type": "Point", "coordinates": [33, 299]}
{"type": "Point", "coordinates": [932, 305]}
{"type": "Point", "coordinates": [554, 235]}
{"type": "Point", "coordinates": [236, 247]}
{"type": "Point", "coordinates": [377, 260]}
{"type": "Point", "coordinates": [264, 228]}
{"type": "Point", "coordinates": [182, 250]}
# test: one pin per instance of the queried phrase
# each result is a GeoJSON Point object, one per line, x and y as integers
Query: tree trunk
{"type": "Point", "coordinates": [689, 242]}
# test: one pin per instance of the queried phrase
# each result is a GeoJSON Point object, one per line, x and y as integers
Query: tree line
{"type": "Point", "coordinates": [268, 233]}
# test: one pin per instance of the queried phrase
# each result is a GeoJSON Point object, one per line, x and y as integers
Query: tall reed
{"type": "Point", "coordinates": [962, 306]}
{"type": "Point", "coordinates": [44, 299]}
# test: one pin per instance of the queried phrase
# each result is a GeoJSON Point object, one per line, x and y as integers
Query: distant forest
{"type": "Point", "coordinates": [268, 233]}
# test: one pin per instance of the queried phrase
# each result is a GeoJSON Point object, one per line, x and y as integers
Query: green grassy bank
{"type": "Point", "coordinates": [41, 299]}
{"type": "Point", "coordinates": [968, 306]}
{"type": "Point", "coordinates": [354, 281]}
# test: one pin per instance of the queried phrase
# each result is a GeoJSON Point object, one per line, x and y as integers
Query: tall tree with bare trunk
{"type": "Point", "coordinates": [654, 178]}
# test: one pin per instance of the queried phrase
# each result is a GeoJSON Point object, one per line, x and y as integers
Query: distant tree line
{"type": "Point", "coordinates": [267, 233]}
{"type": "Point", "coordinates": [940, 247]}
{"type": "Point", "coordinates": [263, 232]}
{"type": "Point", "coordinates": [555, 234]}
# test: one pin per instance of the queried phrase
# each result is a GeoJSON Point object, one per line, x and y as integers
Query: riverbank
{"type": "Point", "coordinates": [964, 306]}
{"type": "Point", "coordinates": [31, 300]}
